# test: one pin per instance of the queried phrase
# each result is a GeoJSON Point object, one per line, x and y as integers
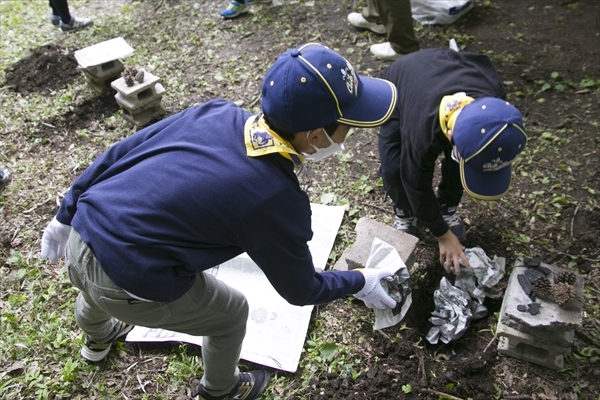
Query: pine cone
{"type": "Point", "coordinates": [134, 71]}
{"type": "Point", "coordinates": [542, 288]}
{"type": "Point", "coordinates": [567, 277]}
{"type": "Point", "coordinates": [127, 71]}
{"type": "Point", "coordinates": [563, 293]}
{"type": "Point", "coordinates": [128, 80]}
{"type": "Point", "coordinates": [139, 76]}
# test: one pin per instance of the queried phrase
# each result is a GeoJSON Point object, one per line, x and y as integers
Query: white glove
{"type": "Point", "coordinates": [372, 293]}
{"type": "Point", "coordinates": [54, 240]}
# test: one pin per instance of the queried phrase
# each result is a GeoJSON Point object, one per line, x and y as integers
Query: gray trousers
{"type": "Point", "coordinates": [210, 309]}
{"type": "Point", "coordinates": [396, 16]}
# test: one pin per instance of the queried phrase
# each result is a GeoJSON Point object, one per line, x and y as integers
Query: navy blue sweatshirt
{"type": "Point", "coordinates": [423, 78]}
{"type": "Point", "coordinates": [182, 196]}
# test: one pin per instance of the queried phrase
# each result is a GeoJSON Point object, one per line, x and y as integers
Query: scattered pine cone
{"type": "Point", "coordinates": [128, 80]}
{"type": "Point", "coordinates": [542, 288]}
{"type": "Point", "coordinates": [567, 277]}
{"type": "Point", "coordinates": [563, 293]}
{"type": "Point", "coordinates": [127, 71]}
{"type": "Point", "coordinates": [130, 74]}
{"type": "Point", "coordinates": [139, 76]}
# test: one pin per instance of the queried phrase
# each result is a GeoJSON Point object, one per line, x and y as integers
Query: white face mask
{"type": "Point", "coordinates": [321, 154]}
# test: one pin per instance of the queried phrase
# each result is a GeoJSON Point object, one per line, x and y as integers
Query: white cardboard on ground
{"type": "Point", "coordinates": [276, 329]}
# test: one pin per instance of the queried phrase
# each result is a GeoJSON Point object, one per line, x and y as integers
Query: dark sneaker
{"type": "Point", "coordinates": [251, 386]}
{"type": "Point", "coordinates": [454, 222]}
{"type": "Point", "coordinates": [95, 352]}
{"type": "Point", "coordinates": [251, 2]}
{"type": "Point", "coordinates": [55, 19]}
{"type": "Point", "coordinates": [76, 24]}
{"type": "Point", "coordinates": [405, 224]}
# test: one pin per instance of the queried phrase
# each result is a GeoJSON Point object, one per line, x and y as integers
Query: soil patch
{"type": "Point", "coordinates": [560, 51]}
{"type": "Point", "coordinates": [46, 69]}
{"type": "Point", "coordinates": [543, 51]}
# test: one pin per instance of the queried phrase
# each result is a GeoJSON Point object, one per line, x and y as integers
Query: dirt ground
{"type": "Point", "coordinates": [528, 40]}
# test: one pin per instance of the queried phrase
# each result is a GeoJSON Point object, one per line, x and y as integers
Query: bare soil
{"type": "Point", "coordinates": [528, 40]}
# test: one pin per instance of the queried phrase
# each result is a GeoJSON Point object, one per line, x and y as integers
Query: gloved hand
{"type": "Point", "coordinates": [372, 293]}
{"type": "Point", "coordinates": [54, 240]}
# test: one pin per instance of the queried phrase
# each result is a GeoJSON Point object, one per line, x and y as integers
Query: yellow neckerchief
{"type": "Point", "coordinates": [261, 140]}
{"type": "Point", "coordinates": [450, 108]}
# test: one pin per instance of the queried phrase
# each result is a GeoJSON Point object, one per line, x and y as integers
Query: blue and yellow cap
{"type": "Point", "coordinates": [488, 134]}
{"type": "Point", "coordinates": [312, 86]}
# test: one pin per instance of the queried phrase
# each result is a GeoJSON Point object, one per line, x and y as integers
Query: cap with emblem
{"type": "Point", "coordinates": [488, 134]}
{"type": "Point", "coordinates": [312, 86]}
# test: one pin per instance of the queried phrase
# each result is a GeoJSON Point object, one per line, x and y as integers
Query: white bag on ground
{"type": "Point", "coordinates": [439, 12]}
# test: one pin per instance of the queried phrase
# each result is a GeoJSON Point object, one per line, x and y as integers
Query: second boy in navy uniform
{"type": "Point", "coordinates": [451, 103]}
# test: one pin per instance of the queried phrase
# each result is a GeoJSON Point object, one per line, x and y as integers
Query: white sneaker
{"type": "Point", "coordinates": [385, 51]}
{"type": "Point", "coordinates": [359, 21]}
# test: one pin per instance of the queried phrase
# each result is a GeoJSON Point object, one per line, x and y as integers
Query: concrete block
{"type": "Point", "coordinates": [140, 102]}
{"type": "Point", "coordinates": [367, 230]}
{"type": "Point", "coordinates": [139, 92]}
{"type": "Point", "coordinates": [551, 338]}
{"type": "Point", "coordinates": [143, 114]}
{"type": "Point", "coordinates": [101, 63]}
{"type": "Point", "coordinates": [552, 319]}
{"type": "Point", "coordinates": [529, 348]}
{"type": "Point", "coordinates": [558, 338]}
{"type": "Point", "coordinates": [143, 97]}
{"type": "Point", "coordinates": [102, 54]}
{"type": "Point", "coordinates": [109, 69]}
{"type": "Point", "coordinates": [101, 86]}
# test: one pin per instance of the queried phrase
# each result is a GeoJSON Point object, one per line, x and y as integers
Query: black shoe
{"type": "Point", "coordinates": [405, 224]}
{"type": "Point", "coordinates": [95, 352]}
{"type": "Point", "coordinates": [454, 222]}
{"type": "Point", "coordinates": [251, 385]}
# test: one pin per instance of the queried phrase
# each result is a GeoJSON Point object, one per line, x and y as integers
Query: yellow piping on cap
{"type": "Point", "coordinates": [387, 115]}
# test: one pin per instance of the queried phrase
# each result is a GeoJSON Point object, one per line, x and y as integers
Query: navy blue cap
{"type": "Point", "coordinates": [489, 134]}
{"type": "Point", "coordinates": [312, 86]}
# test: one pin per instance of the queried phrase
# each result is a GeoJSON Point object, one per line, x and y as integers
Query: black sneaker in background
{"type": "Point", "coordinates": [75, 24]}
{"type": "Point", "coordinates": [454, 222]}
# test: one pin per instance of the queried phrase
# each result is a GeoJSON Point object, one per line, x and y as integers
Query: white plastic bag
{"type": "Point", "coordinates": [439, 12]}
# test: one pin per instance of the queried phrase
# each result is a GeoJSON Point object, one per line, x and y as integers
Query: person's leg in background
{"type": "Point", "coordinates": [59, 7]}
{"type": "Point", "coordinates": [396, 16]}
{"type": "Point", "coordinates": [238, 7]}
{"type": "Point", "coordinates": [62, 18]}
{"type": "Point", "coordinates": [367, 19]}
{"type": "Point", "coordinates": [371, 12]}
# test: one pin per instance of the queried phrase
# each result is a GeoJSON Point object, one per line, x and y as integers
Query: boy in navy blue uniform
{"type": "Point", "coordinates": [449, 103]}
{"type": "Point", "coordinates": [145, 220]}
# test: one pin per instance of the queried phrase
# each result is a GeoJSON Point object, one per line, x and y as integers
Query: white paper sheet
{"type": "Point", "coordinates": [276, 329]}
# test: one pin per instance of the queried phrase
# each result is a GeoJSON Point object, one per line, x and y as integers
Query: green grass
{"type": "Point", "coordinates": [40, 342]}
